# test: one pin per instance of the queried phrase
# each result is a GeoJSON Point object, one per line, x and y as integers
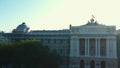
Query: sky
{"type": "Point", "coordinates": [57, 14]}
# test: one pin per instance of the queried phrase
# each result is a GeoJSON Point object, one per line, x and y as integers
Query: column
{"type": "Point", "coordinates": [107, 47]}
{"type": "Point", "coordinates": [98, 46]}
{"type": "Point", "coordinates": [114, 48]}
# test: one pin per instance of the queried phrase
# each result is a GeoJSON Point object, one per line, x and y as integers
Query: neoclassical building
{"type": "Point", "coordinates": [92, 45]}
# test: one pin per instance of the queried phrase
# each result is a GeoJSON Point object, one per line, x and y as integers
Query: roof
{"type": "Point", "coordinates": [22, 26]}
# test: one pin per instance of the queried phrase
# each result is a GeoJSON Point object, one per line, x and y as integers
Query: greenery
{"type": "Point", "coordinates": [28, 53]}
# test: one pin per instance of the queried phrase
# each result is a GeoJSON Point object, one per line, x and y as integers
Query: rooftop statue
{"type": "Point", "coordinates": [93, 22]}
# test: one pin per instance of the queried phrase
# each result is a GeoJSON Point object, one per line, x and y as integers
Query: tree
{"type": "Point", "coordinates": [28, 53]}
{"type": "Point", "coordinates": [6, 53]}
{"type": "Point", "coordinates": [32, 54]}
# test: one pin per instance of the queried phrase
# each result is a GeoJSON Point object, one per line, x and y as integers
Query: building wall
{"type": "Point", "coordinates": [93, 47]}
{"type": "Point", "coordinates": [57, 43]}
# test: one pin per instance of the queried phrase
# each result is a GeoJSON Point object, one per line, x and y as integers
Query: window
{"type": "Point", "coordinates": [92, 47]}
{"type": "Point", "coordinates": [102, 47]}
{"type": "Point", "coordinates": [103, 64]}
{"type": "Point", "coordinates": [92, 64]}
{"type": "Point", "coordinates": [57, 41]}
{"type": "Point", "coordinates": [82, 46]}
{"type": "Point", "coordinates": [51, 41]}
{"type": "Point", "coordinates": [82, 64]}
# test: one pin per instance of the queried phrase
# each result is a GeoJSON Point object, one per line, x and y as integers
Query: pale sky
{"type": "Point", "coordinates": [57, 14]}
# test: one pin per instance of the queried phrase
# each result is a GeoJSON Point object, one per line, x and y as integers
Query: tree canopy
{"type": "Point", "coordinates": [30, 54]}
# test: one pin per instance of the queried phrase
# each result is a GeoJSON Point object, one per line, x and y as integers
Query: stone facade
{"type": "Point", "coordinates": [93, 46]}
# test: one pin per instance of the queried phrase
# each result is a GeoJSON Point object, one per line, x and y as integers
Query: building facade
{"type": "Point", "coordinates": [91, 45]}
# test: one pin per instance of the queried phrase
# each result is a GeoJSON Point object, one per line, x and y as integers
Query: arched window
{"type": "Point", "coordinates": [82, 65]}
{"type": "Point", "coordinates": [102, 64]}
{"type": "Point", "coordinates": [92, 64]}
